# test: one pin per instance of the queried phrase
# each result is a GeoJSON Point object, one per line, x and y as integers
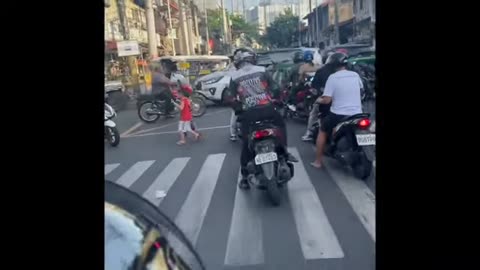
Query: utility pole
{"type": "Point", "coordinates": [244, 11]}
{"type": "Point", "coordinates": [151, 34]}
{"type": "Point", "coordinates": [183, 23]}
{"type": "Point", "coordinates": [225, 28]}
{"type": "Point", "coordinates": [171, 28]}
{"type": "Point", "coordinates": [337, 29]}
{"type": "Point", "coordinates": [188, 13]}
{"type": "Point", "coordinates": [299, 24]}
{"type": "Point", "coordinates": [207, 46]}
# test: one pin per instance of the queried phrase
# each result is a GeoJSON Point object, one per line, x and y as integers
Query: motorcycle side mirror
{"type": "Point", "coordinates": [138, 234]}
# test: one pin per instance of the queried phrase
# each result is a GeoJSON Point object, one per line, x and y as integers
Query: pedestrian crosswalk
{"type": "Point", "coordinates": [245, 243]}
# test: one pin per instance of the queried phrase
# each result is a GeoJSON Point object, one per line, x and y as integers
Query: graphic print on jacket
{"type": "Point", "coordinates": [252, 86]}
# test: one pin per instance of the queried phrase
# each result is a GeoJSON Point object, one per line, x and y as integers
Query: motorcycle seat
{"type": "Point", "coordinates": [356, 116]}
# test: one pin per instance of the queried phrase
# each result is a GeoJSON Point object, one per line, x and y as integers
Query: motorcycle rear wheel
{"type": "Point", "coordinates": [273, 191]}
{"type": "Point", "coordinates": [142, 112]}
{"type": "Point", "coordinates": [199, 106]}
{"type": "Point", "coordinates": [363, 168]}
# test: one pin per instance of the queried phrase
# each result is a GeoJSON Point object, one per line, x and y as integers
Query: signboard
{"type": "Point", "coordinates": [172, 33]}
{"type": "Point", "coordinates": [128, 48]}
{"type": "Point", "coordinates": [345, 12]}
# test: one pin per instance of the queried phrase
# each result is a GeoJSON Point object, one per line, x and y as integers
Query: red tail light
{"type": "Point", "coordinates": [262, 133]}
{"type": "Point", "coordinates": [364, 123]}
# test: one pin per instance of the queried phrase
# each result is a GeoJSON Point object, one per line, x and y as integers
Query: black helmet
{"type": "Point", "coordinates": [243, 55]}
{"type": "Point", "coordinates": [337, 59]}
{"type": "Point", "coordinates": [298, 57]}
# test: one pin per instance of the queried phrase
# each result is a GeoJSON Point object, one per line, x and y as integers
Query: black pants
{"type": "Point", "coordinates": [167, 96]}
{"type": "Point", "coordinates": [257, 114]}
{"type": "Point", "coordinates": [329, 122]}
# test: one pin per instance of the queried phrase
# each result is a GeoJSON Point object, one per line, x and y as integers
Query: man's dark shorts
{"type": "Point", "coordinates": [330, 121]}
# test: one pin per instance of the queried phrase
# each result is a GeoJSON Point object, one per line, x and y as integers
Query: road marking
{"type": "Point", "coordinates": [357, 193]}
{"type": "Point", "coordinates": [173, 132]}
{"type": "Point", "coordinates": [130, 130]}
{"type": "Point", "coordinates": [170, 124]}
{"type": "Point", "coordinates": [317, 238]}
{"type": "Point", "coordinates": [165, 180]}
{"type": "Point", "coordinates": [132, 175]}
{"type": "Point", "coordinates": [192, 214]}
{"type": "Point", "coordinates": [360, 197]}
{"type": "Point", "coordinates": [110, 167]}
{"type": "Point", "coordinates": [245, 242]}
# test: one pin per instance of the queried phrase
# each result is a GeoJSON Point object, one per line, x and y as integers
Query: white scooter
{"type": "Point", "coordinates": [111, 131]}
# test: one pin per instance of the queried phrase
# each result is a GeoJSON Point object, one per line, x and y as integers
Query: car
{"type": "Point", "coordinates": [213, 85]}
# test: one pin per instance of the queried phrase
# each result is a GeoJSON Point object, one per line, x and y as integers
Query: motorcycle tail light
{"type": "Point", "coordinates": [259, 134]}
{"type": "Point", "coordinates": [364, 123]}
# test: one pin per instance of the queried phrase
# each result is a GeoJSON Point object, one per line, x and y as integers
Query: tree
{"type": "Point", "coordinates": [283, 31]}
{"type": "Point", "coordinates": [239, 25]}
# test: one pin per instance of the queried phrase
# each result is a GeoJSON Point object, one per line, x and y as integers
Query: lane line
{"type": "Point", "coordinates": [174, 132]}
{"type": "Point", "coordinates": [165, 180]}
{"type": "Point", "coordinates": [245, 241]}
{"type": "Point", "coordinates": [132, 175]}
{"type": "Point", "coordinates": [358, 194]}
{"type": "Point", "coordinates": [192, 214]}
{"type": "Point", "coordinates": [317, 237]}
{"type": "Point", "coordinates": [130, 130]}
{"type": "Point", "coordinates": [110, 167]}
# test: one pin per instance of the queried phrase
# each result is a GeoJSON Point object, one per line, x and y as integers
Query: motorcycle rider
{"type": "Point", "coordinates": [307, 67]}
{"type": "Point", "coordinates": [250, 92]}
{"type": "Point", "coordinates": [343, 90]}
{"type": "Point", "coordinates": [318, 83]}
{"type": "Point", "coordinates": [161, 84]}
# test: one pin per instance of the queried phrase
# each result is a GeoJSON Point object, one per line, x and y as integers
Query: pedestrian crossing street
{"type": "Point", "coordinates": [245, 242]}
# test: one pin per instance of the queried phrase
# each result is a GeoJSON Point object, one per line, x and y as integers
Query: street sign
{"type": "Point", "coordinates": [172, 33]}
{"type": "Point", "coordinates": [128, 48]}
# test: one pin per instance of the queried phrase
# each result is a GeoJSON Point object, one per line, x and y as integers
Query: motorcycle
{"type": "Point", "coordinates": [111, 132]}
{"type": "Point", "coordinates": [150, 109]}
{"type": "Point", "coordinates": [269, 170]}
{"type": "Point", "coordinates": [352, 142]}
{"type": "Point", "coordinates": [304, 101]}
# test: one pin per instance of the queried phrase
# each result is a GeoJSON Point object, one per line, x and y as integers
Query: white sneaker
{"type": "Point", "coordinates": [307, 138]}
{"type": "Point", "coordinates": [233, 138]}
{"type": "Point", "coordinates": [292, 107]}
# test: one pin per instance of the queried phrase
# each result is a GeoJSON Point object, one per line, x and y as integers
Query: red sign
{"type": "Point", "coordinates": [210, 44]}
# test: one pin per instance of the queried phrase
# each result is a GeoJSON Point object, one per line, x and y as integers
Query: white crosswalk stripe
{"type": "Point", "coordinates": [110, 167]}
{"type": "Point", "coordinates": [132, 175]}
{"type": "Point", "coordinates": [317, 238]}
{"type": "Point", "coordinates": [245, 243]}
{"type": "Point", "coordinates": [165, 180]}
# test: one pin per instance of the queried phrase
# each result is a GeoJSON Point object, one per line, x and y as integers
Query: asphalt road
{"type": "Point", "coordinates": [326, 219]}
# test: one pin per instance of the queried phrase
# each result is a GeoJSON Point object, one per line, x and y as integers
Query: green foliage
{"type": "Point", "coordinates": [283, 31]}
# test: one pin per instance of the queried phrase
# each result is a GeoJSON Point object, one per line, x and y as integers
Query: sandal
{"type": "Point", "coordinates": [181, 142]}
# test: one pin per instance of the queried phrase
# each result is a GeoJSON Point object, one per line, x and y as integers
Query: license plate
{"type": "Point", "coordinates": [265, 158]}
{"type": "Point", "coordinates": [365, 139]}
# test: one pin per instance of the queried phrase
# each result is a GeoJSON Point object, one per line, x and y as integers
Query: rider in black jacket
{"type": "Point", "coordinates": [250, 91]}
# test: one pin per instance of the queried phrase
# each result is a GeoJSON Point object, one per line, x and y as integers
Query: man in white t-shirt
{"type": "Point", "coordinates": [342, 90]}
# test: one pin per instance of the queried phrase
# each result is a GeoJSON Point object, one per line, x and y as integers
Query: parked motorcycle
{"type": "Point", "coordinates": [270, 169]}
{"type": "Point", "coordinates": [151, 108]}
{"type": "Point", "coordinates": [304, 101]}
{"type": "Point", "coordinates": [352, 143]}
{"type": "Point", "coordinates": [111, 132]}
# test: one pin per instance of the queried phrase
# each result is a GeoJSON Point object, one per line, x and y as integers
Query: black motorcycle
{"type": "Point", "coordinates": [151, 108]}
{"type": "Point", "coordinates": [352, 142]}
{"type": "Point", "coordinates": [270, 169]}
{"type": "Point", "coordinates": [304, 101]}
